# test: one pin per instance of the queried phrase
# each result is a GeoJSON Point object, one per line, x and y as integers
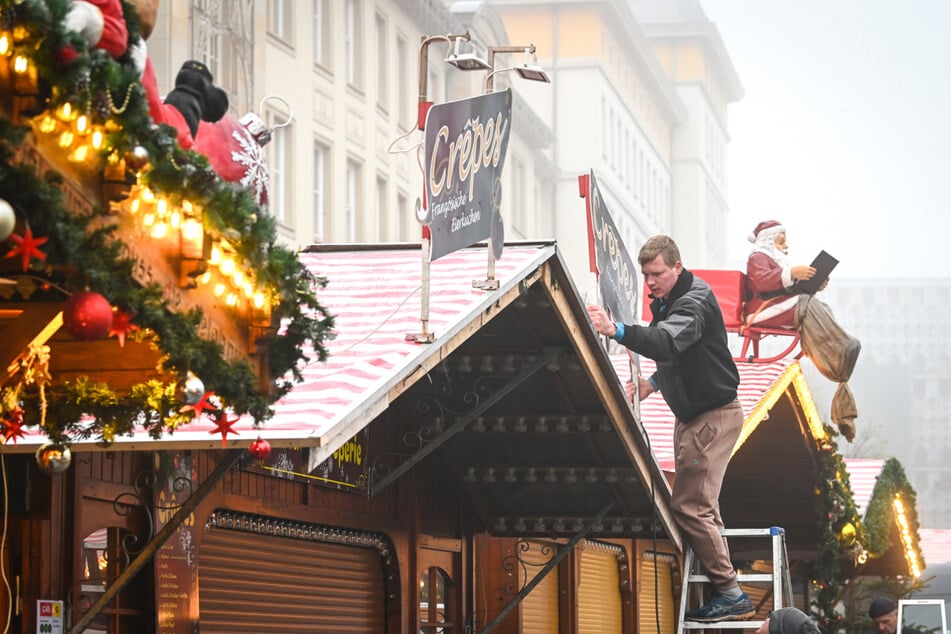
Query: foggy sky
{"type": "Point", "coordinates": [844, 133]}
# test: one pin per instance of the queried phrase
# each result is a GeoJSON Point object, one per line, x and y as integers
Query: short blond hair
{"type": "Point", "coordinates": [659, 245]}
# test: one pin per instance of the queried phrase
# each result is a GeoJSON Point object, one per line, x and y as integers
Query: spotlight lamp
{"type": "Point", "coordinates": [466, 61]}
{"type": "Point", "coordinates": [530, 71]}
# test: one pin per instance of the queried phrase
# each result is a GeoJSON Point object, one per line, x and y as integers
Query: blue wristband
{"type": "Point", "coordinates": [653, 383]}
{"type": "Point", "coordinates": [619, 331]}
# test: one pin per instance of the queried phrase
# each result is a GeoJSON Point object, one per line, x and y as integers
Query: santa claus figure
{"type": "Point", "coordinates": [195, 107]}
{"type": "Point", "coordinates": [772, 279]}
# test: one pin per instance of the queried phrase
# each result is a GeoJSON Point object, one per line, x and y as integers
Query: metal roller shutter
{"type": "Point", "coordinates": [599, 591]}
{"type": "Point", "coordinates": [539, 610]}
{"type": "Point", "coordinates": [648, 608]}
{"type": "Point", "coordinates": [260, 583]}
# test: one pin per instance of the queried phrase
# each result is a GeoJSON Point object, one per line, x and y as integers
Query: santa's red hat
{"type": "Point", "coordinates": [772, 227]}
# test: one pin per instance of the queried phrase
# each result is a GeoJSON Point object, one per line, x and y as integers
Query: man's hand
{"type": "Point", "coordinates": [802, 272]}
{"type": "Point", "coordinates": [602, 323]}
{"type": "Point", "coordinates": [645, 388]}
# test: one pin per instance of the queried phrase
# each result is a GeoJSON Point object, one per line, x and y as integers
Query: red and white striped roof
{"type": "Point", "coordinates": [863, 474]}
{"type": "Point", "coordinates": [658, 420]}
{"type": "Point", "coordinates": [375, 297]}
{"type": "Point", "coordinates": [935, 545]}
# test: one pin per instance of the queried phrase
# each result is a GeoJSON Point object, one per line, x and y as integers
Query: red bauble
{"type": "Point", "coordinates": [87, 316]}
{"type": "Point", "coordinates": [260, 449]}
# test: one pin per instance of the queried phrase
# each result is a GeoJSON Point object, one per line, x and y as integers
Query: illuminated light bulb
{"type": "Point", "coordinates": [227, 266]}
{"type": "Point", "coordinates": [148, 219]}
{"type": "Point", "coordinates": [5, 47]}
{"type": "Point", "coordinates": [238, 278]}
{"type": "Point", "coordinates": [82, 124]}
{"type": "Point", "coordinates": [248, 289]}
{"type": "Point", "coordinates": [219, 289]}
{"type": "Point", "coordinates": [231, 299]}
{"type": "Point", "coordinates": [191, 229]}
{"type": "Point", "coordinates": [147, 194]}
{"type": "Point", "coordinates": [176, 219]}
{"type": "Point", "coordinates": [215, 258]}
{"type": "Point", "coordinates": [80, 154]}
{"type": "Point", "coordinates": [97, 139]}
{"type": "Point", "coordinates": [187, 206]}
{"type": "Point", "coordinates": [205, 277]}
{"type": "Point", "coordinates": [159, 230]}
{"type": "Point", "coordinates": [65, 139]}
{"type": "Point", "coordinates": [161, 208]}
{"type": "Point", "coordinates": [66, 112]}
{"type": "Point", "coordinates": [258, 299]}
{"type": "Point", "coordinates": [47, 125]}
{"type": "Point", "coordinates": [134, 205]}
{"type": "Point", "coordinates": [20, 64]}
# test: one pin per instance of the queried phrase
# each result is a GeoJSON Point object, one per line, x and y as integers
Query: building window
{"type": "Point", "coordinates": [353, 42]}
{"type": "Point", "coordinates": [280, 20]}
{"type": "Point", "coordinates": [223, 40]}
{"type": "Point", "coordinates": [403, 82]}
{"type": "Point", "coordinates": [382, 67]}
{"type": "Point", "coordinates": [402, 219]}
{"type": "Point", "coordinates": [321, 180]}
{"type": "Point", "coordinates": [322, 26]}
{"type": "Point", "coordinates": [384, 221]}
{"type": "Point", "coordinates": [279, 160]}
{"type": "Point", "coordinates": [435, 612]}
{"type": "Point", "coordinates": [104, 556]}
{"type": "Point", "coordinates": [353, 199]}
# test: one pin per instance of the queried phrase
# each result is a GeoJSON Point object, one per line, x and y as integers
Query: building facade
{"type": "Point", "coordinates": [336, 82]}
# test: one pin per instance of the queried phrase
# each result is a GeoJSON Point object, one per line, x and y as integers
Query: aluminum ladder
{"type": "Point", "coordinates": [778, 577]}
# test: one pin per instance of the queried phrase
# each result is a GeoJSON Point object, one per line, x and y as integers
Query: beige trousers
{"type": "Point", "coordinates": [703, 449]}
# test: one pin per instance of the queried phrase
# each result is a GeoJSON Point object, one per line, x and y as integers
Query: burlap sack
{"type": "Point", "coordinates": [834, 353]}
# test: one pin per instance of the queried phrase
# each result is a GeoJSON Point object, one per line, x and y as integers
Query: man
{"type": "Point", "coordinates": [788, 621]}
{"type": "Point", "coordinates": [771, 277]}
{"type": "Point", "coordinates": [698, 379]}
{"type": "Point", "coordinates": [884, 613]}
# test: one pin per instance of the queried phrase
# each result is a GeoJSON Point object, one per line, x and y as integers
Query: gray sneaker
{"type": "Point", "coordinates": [722, 608]}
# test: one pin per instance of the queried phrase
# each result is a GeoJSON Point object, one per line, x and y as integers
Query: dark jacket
{"type": "Point", "coordinates": [687, 339]}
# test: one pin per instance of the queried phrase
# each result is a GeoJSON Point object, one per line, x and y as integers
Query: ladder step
{"type": "Point", "coordinates": [752, 532]}
{"type": "Point", "coordinates": [697, 578]}
{"type": "Point", "coordinates": [723, 625]}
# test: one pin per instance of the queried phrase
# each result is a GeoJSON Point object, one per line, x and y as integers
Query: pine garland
{"type": "Point", "coordinates": [842, 533]}
{"type": "Point", "coordinates": [79, 257]}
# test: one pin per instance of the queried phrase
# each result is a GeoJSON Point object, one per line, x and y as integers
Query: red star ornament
{"type": "Point", "coordinates": [223, 426]}
{"type": "Point", "coordinates": [200, 407]}
{"type": "Point", "coordinates": [13, 426]}
{"type": "Point", "coordinates": [122, 325]}
{"type": "Point", "coordinates": [27, 247]}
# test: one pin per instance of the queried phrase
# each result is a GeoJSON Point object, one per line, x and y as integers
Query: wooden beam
{"type": "Point", "coordinates": [25, 335]}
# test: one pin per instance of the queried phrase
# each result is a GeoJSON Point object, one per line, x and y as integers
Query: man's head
{"type": "Point", "coordinates": [660, 264]}
{"type": "Point", "coordinates": [884, 612]}
{"type": "Point", "coordinates": [788, 621]}
{"type": "Point", "coordinates": [770, 233]}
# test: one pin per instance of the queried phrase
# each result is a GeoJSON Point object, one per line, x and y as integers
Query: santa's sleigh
{"type": "Point", "coordinates": [733, 292]}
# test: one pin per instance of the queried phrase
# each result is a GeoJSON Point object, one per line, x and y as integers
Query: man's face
{"type": "Point", "coordinates": [659, 277]}
{"type": "Point", "coordinates": [780, 243]}
{"type": "Point", "coordinates": [887, 623]}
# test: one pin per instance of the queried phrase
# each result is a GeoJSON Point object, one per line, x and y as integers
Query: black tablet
{"type": "Point", "coordinates": [823, 264]}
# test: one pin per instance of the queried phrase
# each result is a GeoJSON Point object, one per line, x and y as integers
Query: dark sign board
{"type": "Point", "coordinates": [616, 271]}
{"type": "Point", "coordinates": [465, 147]}
{"type": "Point", "coordinates": [348, 467]}
{"type": "Point", "coordinates": [176, 561]}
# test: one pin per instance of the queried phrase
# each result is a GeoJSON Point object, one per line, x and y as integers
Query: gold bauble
{"type": "Point", "coordinates": [54, 458]}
